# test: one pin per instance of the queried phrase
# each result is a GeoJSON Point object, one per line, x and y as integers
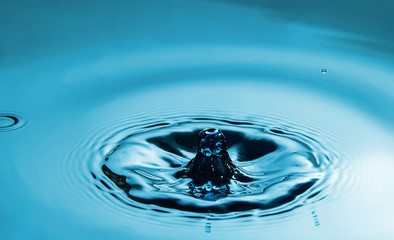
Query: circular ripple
{"type": "Point", "coordinates": [135, 162]}
{"type": "Point", "coordinates": [11, 122]}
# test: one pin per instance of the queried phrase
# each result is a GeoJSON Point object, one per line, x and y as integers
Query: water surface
{"type": "Point", "coordinates": [100, 105]}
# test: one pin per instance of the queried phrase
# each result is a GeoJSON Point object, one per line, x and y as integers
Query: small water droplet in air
{"type": "Point", "coordinates": [315, 218]}
{"type": "Point", "coordinates": [208, 227]}
{"type": "Point", "coordinates": [324, 71]}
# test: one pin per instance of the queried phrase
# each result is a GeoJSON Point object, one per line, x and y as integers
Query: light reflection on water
{"type": "Point", "coordinates": [79, 76]}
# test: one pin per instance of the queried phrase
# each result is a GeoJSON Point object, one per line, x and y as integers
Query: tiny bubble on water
{"type": "Point", "coordinates": [324, 71]}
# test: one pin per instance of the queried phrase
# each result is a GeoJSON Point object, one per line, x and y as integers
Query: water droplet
{"type": "Point", "coordinates": [315, 218]}
{"type": "Point", "coordinates": [208, 227]}
{"type": "Point", "coordinates": [10, 122]}
{"type": "Point", "coordinates": [324, 71]}
{"type": "Point", "coordinates": [208, 186]}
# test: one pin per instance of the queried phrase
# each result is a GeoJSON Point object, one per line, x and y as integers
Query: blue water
{"type": "Point", "coordinates": [100, 104]}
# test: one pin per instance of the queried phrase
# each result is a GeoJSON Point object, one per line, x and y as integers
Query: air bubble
{"type": "Point", "coordinates": [324, 71]}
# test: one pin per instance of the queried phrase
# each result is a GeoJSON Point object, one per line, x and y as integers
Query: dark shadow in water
{"type": "Point", "coordinates": [228, 207]}
{"type": "Point", "coordinates": [248, 149]}
{"type": "Point", "coordinates": [199, 169]}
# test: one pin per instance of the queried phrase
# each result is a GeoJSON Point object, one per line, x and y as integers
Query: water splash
{"type": "Point", "coordinates": [281, 167]}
